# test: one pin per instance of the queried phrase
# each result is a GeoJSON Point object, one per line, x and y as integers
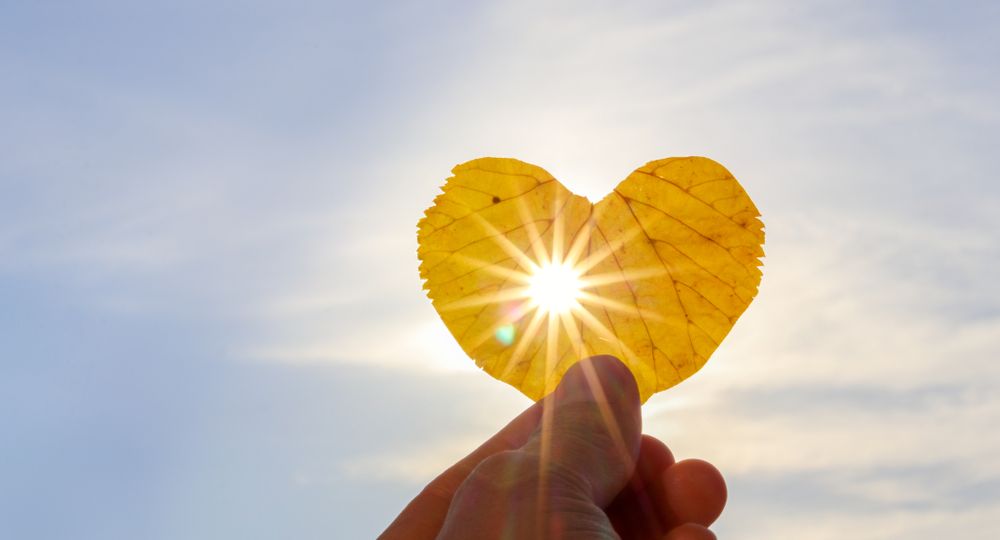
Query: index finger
{"type": "Point", "coordinates": [422, 518]}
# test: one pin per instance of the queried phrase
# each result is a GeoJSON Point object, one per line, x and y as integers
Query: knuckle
{"type": "Point", "coordinates": [583, 423]}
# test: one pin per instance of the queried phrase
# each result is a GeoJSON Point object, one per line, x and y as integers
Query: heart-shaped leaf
{"type": "Point", "coordinates": [531, 278]}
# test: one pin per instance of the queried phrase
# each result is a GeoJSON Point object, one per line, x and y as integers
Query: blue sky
{"type": "Point", "coordinates": [211, 322]}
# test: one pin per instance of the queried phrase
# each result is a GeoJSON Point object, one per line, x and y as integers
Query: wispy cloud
{"type": "Point", "coordinates": [271, 183]}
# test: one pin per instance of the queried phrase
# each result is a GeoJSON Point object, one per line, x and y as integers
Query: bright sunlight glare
{"type": "Point", "coordinates": [554, 288]}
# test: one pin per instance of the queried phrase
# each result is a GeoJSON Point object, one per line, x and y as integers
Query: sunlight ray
{"type": "Point", "coordinates": [501, 240]}
{"type": "Point", "coordinates": [595, 258]}
{"type": "Point", "coordinates": [607, 415]}
{"type": "Point", "coordinates": [497, 297]}
{"type": "Point", "coordinates": [580, 242]}
{"type": "Point", "coordinates": [534, 237]}
{"type": "Point", "coordinates": [534, 325]}
{"type": "Point", "coordinates": [620, 276]}
{"type": "Point", "coordinates": [619, 307]}
{"type": "Point", "coordinates": [591, 322]}
{"type": "Point", "coordinates": [576, 340]}
{"type": "Point", "coordinates": [508, 318]}
{"type": "Point", "coordinates": [477, 265]}
{"type": "Point", "coordinates": [558, 230]}
{"type": "Point", "coordinates": [551, 350]}
{"type": "Point", "coordinates": [544, 455]}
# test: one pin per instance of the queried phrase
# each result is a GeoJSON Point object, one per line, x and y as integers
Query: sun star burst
{"type": "Point", "coordinates": [555, 288]}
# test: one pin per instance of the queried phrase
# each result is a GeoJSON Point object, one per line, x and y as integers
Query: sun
{"type": "Point", "coordinates": [551, 292]}
{"type": "Point", "coordinates": [555, 288]}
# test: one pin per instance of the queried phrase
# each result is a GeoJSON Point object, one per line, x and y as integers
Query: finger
{"type": "Point", "coordinates": [694, 492]}
{"type": "Point", "coordinates": [581, 455]}
{"type": "Point", "coordinates": [654, 458]}
{"type": "Point", "coordinates": [425, 514]}
{"type": "Point", "coordinates": [422, 518]}
{"type": "Point", "coordinates": [590, 434]}
{"type": "Point", "coordinates": [690, 531]}
{"type": "Point", "coordinates": [637, 511]}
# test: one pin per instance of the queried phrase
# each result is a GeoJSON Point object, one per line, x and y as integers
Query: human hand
{"type": "Point", "coordinates": [574, 465]}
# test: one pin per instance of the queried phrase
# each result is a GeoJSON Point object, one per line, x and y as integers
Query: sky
{"type": "Point", "coordinates": [211, 320]}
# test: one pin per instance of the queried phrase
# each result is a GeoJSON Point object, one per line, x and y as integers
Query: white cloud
{"type": "Point", "coordinates": [866, 366]}
{"type": "Point", "coordinates": [415, 465]}
{"type": "Point", "coordinates": [865, 369]}
{"type": "Point", "coordinates": [420, 346]}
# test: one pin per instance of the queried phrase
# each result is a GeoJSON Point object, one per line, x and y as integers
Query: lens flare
{"type": "Point", "coordinates": [505, 334]}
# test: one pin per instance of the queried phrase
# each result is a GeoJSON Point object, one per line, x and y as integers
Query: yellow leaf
{"type": "Point", "coordinates": [530, 278]}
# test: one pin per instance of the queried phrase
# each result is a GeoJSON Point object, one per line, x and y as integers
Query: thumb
{"type": "Point", "coordinates": [580, 456]}
{"type": "Point", "coordinates": [591, 431]}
